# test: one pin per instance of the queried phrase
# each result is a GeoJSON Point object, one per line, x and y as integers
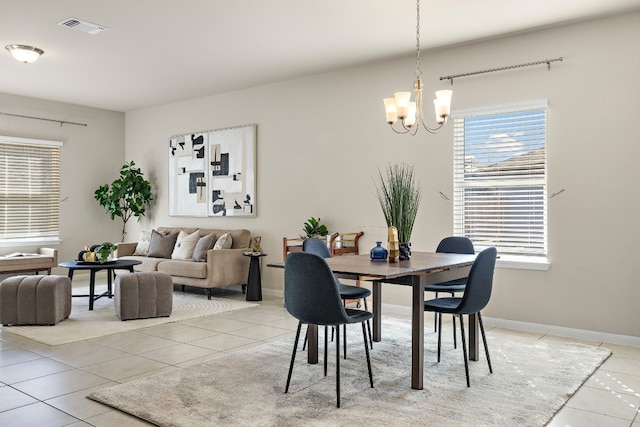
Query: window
{"type": "Point", "coordinates": [500, 179]}
{"type": "Point", "coordinates": [29, 191]}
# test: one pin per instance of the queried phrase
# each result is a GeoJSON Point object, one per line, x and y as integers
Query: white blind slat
{"type": "Point", "coordinates": [500, 180]}
{"type": "Point", "coordinates": [29, 189]}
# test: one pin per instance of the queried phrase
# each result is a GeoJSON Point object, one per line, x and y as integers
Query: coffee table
{"type": "Point", "coordinates": [94, 267]}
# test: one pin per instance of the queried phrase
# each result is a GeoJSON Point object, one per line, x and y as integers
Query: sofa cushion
{"type": "Point", "coordinates": [146, 263]}
{"type": "Point", "coordinates": [185, 245]}
{"type": "Point", "coordinates": [241, 238]}
{"type": "Point", "coordinates": [204, 244]}
{"type": "Point", "coordinates": [224, 242]}
{"type": "Point", "coordinates": [142, 248]}
{"type": "Point", "coordinates": [161, 245]}
{"type": "Point", "coordinates": [197, 270]}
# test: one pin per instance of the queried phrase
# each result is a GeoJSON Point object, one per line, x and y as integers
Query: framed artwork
{"type": "Point", "coordinates": [213, 173]}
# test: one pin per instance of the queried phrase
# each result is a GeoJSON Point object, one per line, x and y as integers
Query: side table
{"type": "Point", "coordinates": [254, 282]}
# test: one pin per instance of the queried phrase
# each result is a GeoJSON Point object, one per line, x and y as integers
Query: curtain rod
{"type": "Point", "coordinates": [62, 122]}
{"type": "Point", "coordinates": [510, 67]}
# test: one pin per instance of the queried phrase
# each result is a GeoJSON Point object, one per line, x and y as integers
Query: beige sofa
{"type": "Point", "coordinates": [223, 267]}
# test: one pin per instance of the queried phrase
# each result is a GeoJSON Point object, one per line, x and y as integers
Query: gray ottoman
{"type": "Point", "coordinates": [35, 300]}
{"type": "Point", "coordinates": [143, 295]}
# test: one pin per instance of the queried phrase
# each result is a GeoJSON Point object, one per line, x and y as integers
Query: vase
{"type": "Point", "coordinates": [405, 251]}
{"type": "Point", "coordinates": [378, 253]}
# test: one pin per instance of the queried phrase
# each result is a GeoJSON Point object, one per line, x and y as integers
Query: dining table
{"type": "Point", "coordinates": [424, 268]}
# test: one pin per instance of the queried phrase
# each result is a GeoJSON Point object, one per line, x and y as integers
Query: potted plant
{"type": "Point", "coordinates": [399, 195]}
{"type": "Point", "coordinates": [104, 252]}
{"type": "Point", "coordinates": [129, 195]}
{"type": "Point", "coordinates": [314, 229]}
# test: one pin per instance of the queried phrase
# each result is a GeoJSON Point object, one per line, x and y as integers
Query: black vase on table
{"type": "Point", "coordinates": [405, 251]}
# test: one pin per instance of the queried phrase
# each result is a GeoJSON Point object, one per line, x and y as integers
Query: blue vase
{"type": "Point", "coordinates": [378, 253]}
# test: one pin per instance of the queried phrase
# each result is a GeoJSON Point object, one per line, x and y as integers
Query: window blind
{"type": "Point", "coordinates": [29, 190]}
{"type": "Point", "coordinates": [500, 180]}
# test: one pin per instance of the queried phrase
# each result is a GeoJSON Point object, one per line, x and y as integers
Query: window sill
{"type": "Point", "coordinates": [523, 262]}
{"type": "Point", "coordinates": [26, 243]}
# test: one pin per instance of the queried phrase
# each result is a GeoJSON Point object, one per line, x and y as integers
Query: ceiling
{"type": "Point", "coordinates": [157, 52]}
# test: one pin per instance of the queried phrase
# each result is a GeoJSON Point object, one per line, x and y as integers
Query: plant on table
{"type": "Point", "coordinates": [399, 194]}
{"type": "Point", "coordinates": [314, 229]}
{"type": "Point", "coordinates": [104, 251]}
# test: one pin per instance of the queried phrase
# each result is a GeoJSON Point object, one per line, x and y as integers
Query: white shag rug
{"type": "Point", "coordinates": [83, 324]}
{"type": "Point", "coordinates": [532, 379]}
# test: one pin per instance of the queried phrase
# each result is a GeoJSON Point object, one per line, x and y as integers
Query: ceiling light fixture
{"type": "Point", "coordinates": [24, 53]}
{"type": "Point", "coordinates": [411, 114]}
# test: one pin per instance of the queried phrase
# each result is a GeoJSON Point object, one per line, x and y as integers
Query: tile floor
{"type": "Point", "coordinates": [46, 386]}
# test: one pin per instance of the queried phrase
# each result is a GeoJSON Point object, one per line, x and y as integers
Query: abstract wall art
{"type": "Point", "coordinates": [213, 173]}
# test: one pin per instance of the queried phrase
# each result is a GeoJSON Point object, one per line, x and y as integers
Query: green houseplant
{"type": "Point", "coordinates": [104, 251]}
{"type": "Point", "coordinates": [129, 195]}
{"type": "Point", "coordinates": [314, 229]}
{"type": "Point", "coordinates": [399, 194]}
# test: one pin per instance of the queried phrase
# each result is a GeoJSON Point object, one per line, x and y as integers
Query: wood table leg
{"type": "Point", "coordinates": [312, 344]}
{"type": "Point", "coordinates": [417, 333]}
{"type": "Point", "coordinates": [377, 311]}
{"type": "Point", "coordinates": [474, 345]}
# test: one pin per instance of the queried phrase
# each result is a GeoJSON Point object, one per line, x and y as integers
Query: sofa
{"type": "Point", "coordinates": [213, 268]}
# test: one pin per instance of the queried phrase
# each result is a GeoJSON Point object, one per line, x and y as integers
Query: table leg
{"type": "Point", "coordinates": [417, 333]}
{"type": "Point", "coordinates": [92, 286]}
{"type": "Point", "coordinates": [474, 345]}
{"type": "Point", "coordinates": [109, 273]}
{"type": "Point", "coordinates": [312, 344]}
{"type": "Point", "coordinates": [70, 273]}
{"type": "Point", "coordinates": [377, 311]}
{"type": "Point", "coordinates": [254, 282]}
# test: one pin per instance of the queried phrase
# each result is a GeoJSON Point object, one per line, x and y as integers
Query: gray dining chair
{"type": "Point", "coordinates": [476, 296]}
{"type": "Point", "coordinates": [451, 245]}
{"type": "Point", "coordinates": [347, 292]}
{"type": "Point", "coordinates": [311, 296]}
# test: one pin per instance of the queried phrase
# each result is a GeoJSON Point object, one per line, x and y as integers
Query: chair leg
{"type": "Point", "coordinates": [464, 350]}
{"type": "Point", "coordinates": [368, 324]}
{"type": "Point", "coordinates": [455, 344]}
{"type": "Point", "coordinates": [344, 338]}
{"type": "Point", "coordinates": [293, 357]}
{"type": "Point", "coordinates": [435, 318]}
{"type": "Point", "coordinates": [326, 345]}
{"type": "Point", "coordinates": [484, 340]}
{"type": "Point", "coordinates": [337, 329]}
{"type": "Point", "coordinates": [304, 344]}
{"type": "Point", "coordinates": [439, 333]}
{"type": "Point", "coordinates": [366, 349]}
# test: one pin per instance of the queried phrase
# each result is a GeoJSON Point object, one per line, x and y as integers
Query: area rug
{"type": "Point", "coordinates": [532, 379]}
{"type": "Point", "coordinates": [83, 324]}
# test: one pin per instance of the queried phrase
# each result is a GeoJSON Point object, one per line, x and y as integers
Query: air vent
{"type": "Point", "coordinates": [84, 26]}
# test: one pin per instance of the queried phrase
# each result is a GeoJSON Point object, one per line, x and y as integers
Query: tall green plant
{"type": "Point", "coordinates": [399, 194]}
{"type": "Point", "coordinates": [130, 195]}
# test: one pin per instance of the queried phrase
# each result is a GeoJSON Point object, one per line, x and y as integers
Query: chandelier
{"type": "Point", "coordinates": [411, 113]}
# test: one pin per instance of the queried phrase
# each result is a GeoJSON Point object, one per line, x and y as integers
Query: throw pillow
{"type": "Point", "coordinates": [142, 248]}
{"type": "Point", "coordinates": [161, 245]}
{"type": "Point", "coordinates": [224, 242]}
{"type": "Point", "coordinates": [204, 244]}
{"type": "Point", "coordinates": [185, 245]}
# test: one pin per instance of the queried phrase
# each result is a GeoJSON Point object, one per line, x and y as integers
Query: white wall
{"type": "Point", "coordinates": [322, 138]}
{"type": "Point", "coordinates": [91, 156]}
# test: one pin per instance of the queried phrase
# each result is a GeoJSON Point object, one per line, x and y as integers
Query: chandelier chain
{"type": "Point", "coordinates": [418, 72]}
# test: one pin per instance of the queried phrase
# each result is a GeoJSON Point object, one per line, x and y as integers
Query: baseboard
{"type": "Point", "coordinates": [516, 325]}
{"type": "Point", "coordinates": [563, 332]}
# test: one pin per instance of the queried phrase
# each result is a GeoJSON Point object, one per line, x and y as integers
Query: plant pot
{"type": "Point", "coordinates": [405, 251]}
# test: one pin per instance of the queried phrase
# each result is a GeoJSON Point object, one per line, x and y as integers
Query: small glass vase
{"type": "Point", "coordinates": [378, 253]}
